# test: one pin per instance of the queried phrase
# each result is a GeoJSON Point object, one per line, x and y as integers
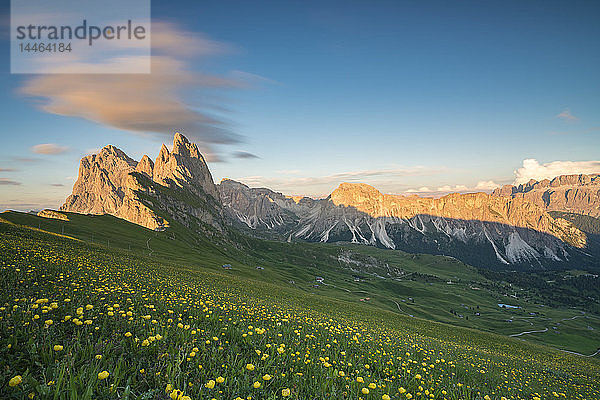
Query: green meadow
{"type": "Point", "coordinates": [96, 307]}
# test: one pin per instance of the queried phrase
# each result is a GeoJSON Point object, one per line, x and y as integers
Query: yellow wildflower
{"type": "Point", "coordinates": [15, 381]}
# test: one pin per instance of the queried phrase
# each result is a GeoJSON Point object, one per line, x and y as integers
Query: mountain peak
{"type": "Point", "coordinates": [354, 193]}
{"type": "Point", "coordinates": [183, 147]}
{"type": "Point", "coordinates": [184, 166]}
{"type": "Point", "coordinates": [357, 188]}
{"type": "Point", "coordinates": [145, 166]}
{"type": "Point", "coordinates": [105, 186]}
{"type": "Point", "coordinates": [180, 138]}
{"type": "Point", "coordinates": [227, 181]}
{"type": "Point", "coordinates": [113, 151]}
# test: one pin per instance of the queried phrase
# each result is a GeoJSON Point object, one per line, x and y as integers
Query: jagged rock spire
{"type": "Point", "coordinates": [184, 166]}
{"type": "Point", "coordinates": [145, 166]}
{"type": "Point", "coordinates": [106, 184]}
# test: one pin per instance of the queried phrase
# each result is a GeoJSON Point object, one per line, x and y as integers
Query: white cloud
{"type": "Point", "coordinates": [566, 115]}
{"type": "Point", "coordinates": [423, 189]}
{"type": "Point", "coordinates": [532, 169]}
{"type": "Point", "coordinates": [49, 148]}
{"type": "Point", "coordinates": [455, 188]}
{"type": "Point", "coordinates": [486, 185]}
{"type": "Point", "coordinates": [481, 186]}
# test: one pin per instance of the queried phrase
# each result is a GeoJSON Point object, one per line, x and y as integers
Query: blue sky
{"type": "Point", "coordinates": [424, 97]}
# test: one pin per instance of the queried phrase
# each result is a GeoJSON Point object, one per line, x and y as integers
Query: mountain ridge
{"type": "Point", "coordinates": [469, 206]}
{"type": "Point", "coordinates": [478, 228]}
{"type": "Point", "coordinates": [578, 194]}
{"type": "Point", "coordinates": [358, 213]}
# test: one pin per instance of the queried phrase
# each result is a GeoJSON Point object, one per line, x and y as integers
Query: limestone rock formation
{"type": "Point", "coordinates": [578, 194]}
{"type": "Point", "coordinates": [509, 229]}
{"type": "Point", "coordinates": [470, 206]}
{"type": "Point", "coordinates": [104, 186]}
{"type": "Point", "coordinates": [184, 167]}
{"type": "Point", "coordinates": [257, 207]}
{"type": "Point", "coordinates": [477, 228]}
{"type": "Point", "coordinates": [110, 182]}
{"type": "Point", "coordinates": [145, 166]}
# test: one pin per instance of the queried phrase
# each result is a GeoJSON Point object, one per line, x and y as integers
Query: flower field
{"type": "Point", "coordinates": [80, 321]}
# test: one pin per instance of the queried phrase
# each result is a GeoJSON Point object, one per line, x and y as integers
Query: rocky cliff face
{"type": "Point", "coordinates": [467, 207]}
{"type": "Point", "coordinates": [105, 186]}
{"type": "Point", "coordinates": [177, 186]}
{"type": "Point", "coordinates": [256, 208]}
{"type": "Point", "coordinates": [476, 228]}
{"type": "Point", "coordinates": [184, 167]}
{"type": "Point", "coordinates": [579, 194]}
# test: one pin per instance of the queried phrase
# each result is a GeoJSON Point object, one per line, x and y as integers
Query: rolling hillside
{"type": "Point", "coordinates": [103, 321]}
{"type": "Point", "coordinates": [435, 288]}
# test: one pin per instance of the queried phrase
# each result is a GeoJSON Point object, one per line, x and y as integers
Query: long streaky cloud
{"type": "Point", "coordinates": [481, 186]}
{"type": "Point", "coordinates": [566, 115]}
{"type": "Point", "coordinates": [145, 103]}
{"type": "Point", "coordinates": [6, 181]}
{"type": "Point", "coordinates": [49, 148]}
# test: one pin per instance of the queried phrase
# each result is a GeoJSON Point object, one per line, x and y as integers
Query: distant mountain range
{"type": "Point", "coordinates": [579, 194]}
{"type": "Point", "coordinates": [511, 228]}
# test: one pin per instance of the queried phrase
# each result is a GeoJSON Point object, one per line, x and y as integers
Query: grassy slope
{"type": "Point", "coordinates": [427, 296]}
{"type": "Point", "coordinates": [52, 259]}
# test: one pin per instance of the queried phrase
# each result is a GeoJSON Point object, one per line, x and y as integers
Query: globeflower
{"type": "Point", "coordinates": [285, 392]}
{"type": "Point", "coordinates": [385, 397]}
{"type": "Point", "coordinates": [256, 385]}
{"type": "Point", "coordinates": [58, 347]}
{"type": "Point", "coordinates": [103, 375]}
{"type": "Point", "coordinates": [364, 390]}
{"type": "Point", "coordinates": [220, 379]}
{"type": "Point", "coordinates": [250, 367]}
{"type": "Point", "coordinates": [15, 381]}
{"type": "Point", "coordinates": [267, 377]}
{"type": "Point", "coordinates": [210, 384]}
